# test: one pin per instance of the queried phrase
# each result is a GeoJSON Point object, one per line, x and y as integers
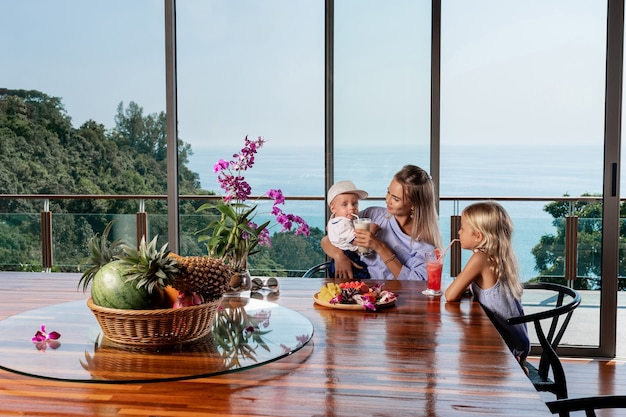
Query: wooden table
{"type": "Point", "coordinates": [423, 357]}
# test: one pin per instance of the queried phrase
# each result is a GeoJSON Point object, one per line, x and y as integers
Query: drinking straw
{"type": "Point", "coordinates": [446, 249]}
{"type": "Point", "coordinates": [355, 215]}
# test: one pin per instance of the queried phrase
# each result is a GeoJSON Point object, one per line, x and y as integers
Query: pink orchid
{"type": "Point", "coordinates": [365, 302]}
{"type": "Point", "coordinates": [235, 235]}
{"type": "Point", "coordinates": [42, 339]}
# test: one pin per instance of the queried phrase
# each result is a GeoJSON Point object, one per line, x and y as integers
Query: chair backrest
{"type": "Point", "coordinates": [587, 404]}
{"type": "Point", "coordinates": [558, 316]}
{"type": "Point", "coordinates": [311, 273]}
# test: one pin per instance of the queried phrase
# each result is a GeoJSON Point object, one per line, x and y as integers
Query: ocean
{"type": "Point", "coordinates": [481, 171]}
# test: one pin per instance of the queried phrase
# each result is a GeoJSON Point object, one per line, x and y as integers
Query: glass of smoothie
{"type": "Point", "coordinates": [364, 224]}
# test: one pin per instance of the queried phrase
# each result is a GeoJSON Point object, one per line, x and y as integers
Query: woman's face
{"type": "Point", "coordinates": [397, 205]}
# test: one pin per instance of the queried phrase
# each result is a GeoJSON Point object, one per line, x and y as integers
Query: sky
{"type": "Point", "coordinates": [519, 72]}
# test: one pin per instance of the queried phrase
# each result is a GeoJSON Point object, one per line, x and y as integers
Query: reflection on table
{"type": "Point", "coordinates": [423, 357]}
{"type": "Point", "coordinates": [246, 332]}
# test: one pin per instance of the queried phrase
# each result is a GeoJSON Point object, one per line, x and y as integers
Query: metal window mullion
{"type": "Point", "coordinates": [610, 197]}
{"type": "Point", "coordinates": [571, 248]}
{"type": "Point", "coordinates": [171, 121]}
{"type": "Point", "coordinates": [435, 96]}
{"type": "Point", "coordinates": [329, 68]}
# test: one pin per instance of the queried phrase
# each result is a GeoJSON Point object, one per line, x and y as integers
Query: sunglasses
{"type": "Point", "coordinates": [258, 284]}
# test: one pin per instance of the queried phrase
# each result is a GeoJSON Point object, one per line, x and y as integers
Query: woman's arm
{"type": "Point", "coordinates": [367, 239]}
{"type": "Point", "coordinates": [343, 264]}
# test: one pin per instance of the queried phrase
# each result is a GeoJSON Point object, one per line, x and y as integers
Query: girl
{"type": "Point", "coordinates": [401, 233]}
{"type": "Point", "coordinates": [491, 272]}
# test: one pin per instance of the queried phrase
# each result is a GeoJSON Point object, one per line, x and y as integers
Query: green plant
{"type": "Point", "coordinates": [235, 235]}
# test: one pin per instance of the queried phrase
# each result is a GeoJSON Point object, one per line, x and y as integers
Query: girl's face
{"type": "Point", "coordinates": [345, 205]}
{"type": "Point", "coordinates": [397, 205]}
{"type": "Point", "coordinates": [468, 237]}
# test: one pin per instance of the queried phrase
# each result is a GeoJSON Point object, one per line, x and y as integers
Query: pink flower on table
{"type": "Point", "coordinates": [42, 339]}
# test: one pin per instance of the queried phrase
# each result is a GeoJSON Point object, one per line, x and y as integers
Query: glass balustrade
{"type": "Point", "coordinates": [540, 241]}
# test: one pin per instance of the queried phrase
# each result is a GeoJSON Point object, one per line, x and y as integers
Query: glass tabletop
{"type": "Point", "coordinates": [246, 334]}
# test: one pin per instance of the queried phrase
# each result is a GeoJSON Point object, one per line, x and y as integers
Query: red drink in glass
{"type": "Point", "coordinates": [434, 270]}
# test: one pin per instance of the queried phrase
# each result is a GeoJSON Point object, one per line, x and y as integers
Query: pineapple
{"type": "Point", "coordinates": [101, 252]}
{"type": "Point", "coordinates": [152, 269]}
{"type": "Point", "coordinates": [203, 275]}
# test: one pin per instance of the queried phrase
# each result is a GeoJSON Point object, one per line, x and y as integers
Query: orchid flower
{"type": "Point", "coordinates": [235, 235]}
{"type": "Point", "coordinates": [42, 339]}
{"type": "Point", "coordinates": [336, 299]}
{"type": "Point", "coordinates": [365, 302]}
{"type": "Point", "coordinates": [387, 297]}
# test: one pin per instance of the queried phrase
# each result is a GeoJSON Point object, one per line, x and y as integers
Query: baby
{"type": "Point", "coordinates": [343, 199]}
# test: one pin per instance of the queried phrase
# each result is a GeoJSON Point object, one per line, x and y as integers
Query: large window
{"type": "Point", "coordinates": [522, 114]}
{"type": "Point", "coordinates": [88, 58]}
{"type": "Point", "coordinates": [250, 68]}
{"type": "Point", "coordinates": [93, 55]}
{"type": "Point", "coordinates": [381, 90]}
{"type": "Point", "coordinates": [522, 99]}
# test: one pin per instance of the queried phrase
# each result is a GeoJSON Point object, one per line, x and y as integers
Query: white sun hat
{"type": "Point", "coordinates": [344, 187]}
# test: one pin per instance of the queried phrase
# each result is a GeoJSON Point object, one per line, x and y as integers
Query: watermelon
{"type": "Point", "coordinates": [111, 289]}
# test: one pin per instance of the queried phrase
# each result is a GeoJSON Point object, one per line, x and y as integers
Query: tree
{"type": "Point", "coordinates": [295, 254]}
{"type": "Point", "coordinates": [549, 252]}
{"type": "Point", "coordinates": [43, 153]}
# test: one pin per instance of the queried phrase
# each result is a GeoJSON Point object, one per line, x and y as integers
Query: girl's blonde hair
{"type": "Point", "coordinates": [492, 220]}
{"type": "Point", "coordinates": [419, 189]}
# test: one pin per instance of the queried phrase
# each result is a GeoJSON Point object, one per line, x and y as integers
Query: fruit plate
{"type": "Point", "coordinates": [356, 307]}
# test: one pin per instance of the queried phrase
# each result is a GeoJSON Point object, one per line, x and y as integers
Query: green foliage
{"type": "Point", "coordinates": [150, 267]}
{"type": "Point", "coordinates": [42, 153]}
{"type": "Point", "coordinates": [101, 252]}
{"type": "Point", "coordinates": [289, 255]}
{"type": "Point", "coordinates": [230, 237]}
{"type": "Point", "coordinates": [550, 251]}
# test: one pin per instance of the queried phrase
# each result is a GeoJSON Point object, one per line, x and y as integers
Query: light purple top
{"type": "Point", "coordinates": [411, 253]}
{"type": "Point", "coordinates": [500, 305]}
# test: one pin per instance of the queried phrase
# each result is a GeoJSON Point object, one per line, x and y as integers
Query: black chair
{"type": "Point", "coordinates": [588, 404]}
{"type": "Point", "coordinates": [323, 267]}
{"type": "Point", "coordinates": [558, 317]}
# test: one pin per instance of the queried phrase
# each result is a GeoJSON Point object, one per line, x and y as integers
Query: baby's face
{"type": "Point", "coordinates": [345, 205]}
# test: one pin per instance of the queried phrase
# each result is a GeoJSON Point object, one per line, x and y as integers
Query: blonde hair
{"type": "Point", "coordinates": [418, 188]}
{"type": "Point", "coordinates": [492, 220]}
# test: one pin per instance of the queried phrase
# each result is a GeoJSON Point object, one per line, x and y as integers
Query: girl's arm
{"type": "Point", "coordinates": [469, 274]}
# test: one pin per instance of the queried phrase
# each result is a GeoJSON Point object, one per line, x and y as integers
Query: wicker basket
{"type": "Point", "coordinates": [115, 362]}
{"type": "Point", "coordinates": [159, 327]}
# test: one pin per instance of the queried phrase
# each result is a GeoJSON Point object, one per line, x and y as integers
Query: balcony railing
{"type": "Point", "coordinates": [451, 206]}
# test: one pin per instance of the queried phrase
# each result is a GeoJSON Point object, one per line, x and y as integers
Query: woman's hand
{"type": "Point", "coordinates": [366, 239]}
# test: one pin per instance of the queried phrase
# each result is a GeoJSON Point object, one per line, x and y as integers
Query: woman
{"type": "Point", "coordinates": [400, 234]}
